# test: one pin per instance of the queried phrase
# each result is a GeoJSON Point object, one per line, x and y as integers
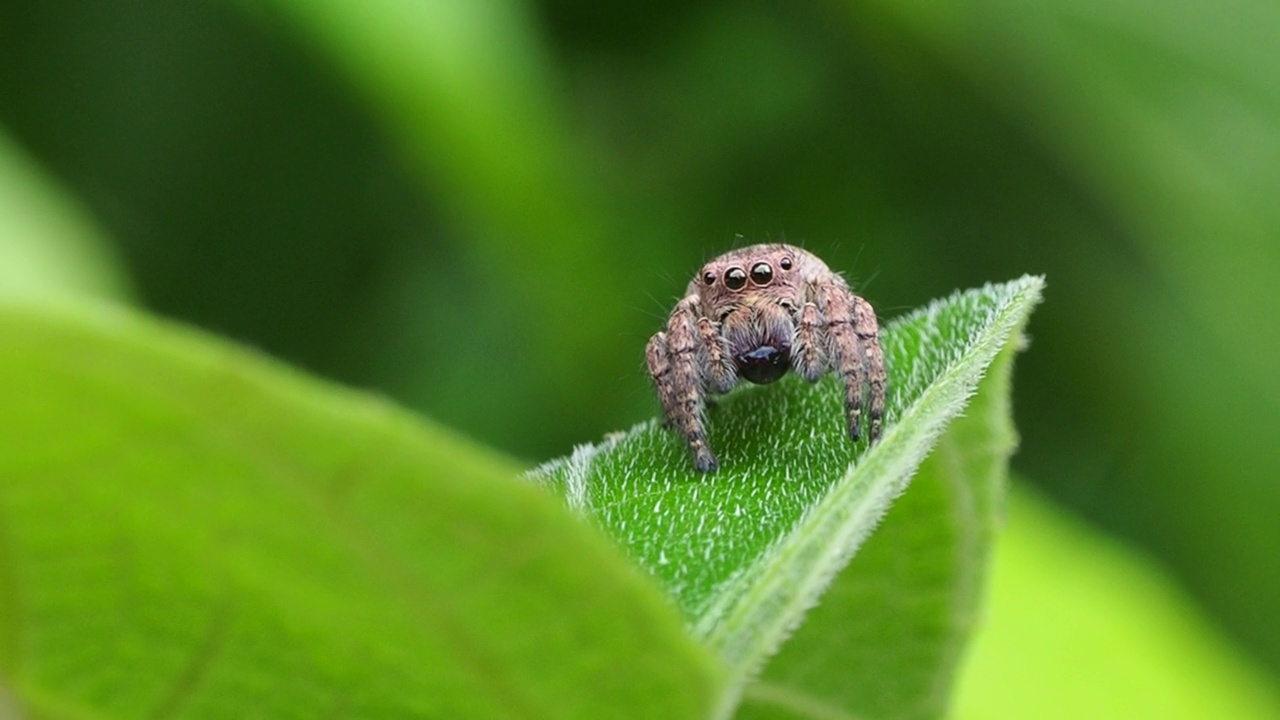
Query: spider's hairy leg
{"type": "Point", "coordinates": [808, 354]}
{"type": "Point", "coordinates": [837, 308]}
{"type": "Point", "coordinates": [672, 357]}
{"type": "Point", "coordinates": [868, 331]}
{"type": "Point", "coordinates": [719, 373]}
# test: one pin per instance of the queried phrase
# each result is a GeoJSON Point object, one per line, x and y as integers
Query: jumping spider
{"type": "Point", "coordinates": [756, 313]}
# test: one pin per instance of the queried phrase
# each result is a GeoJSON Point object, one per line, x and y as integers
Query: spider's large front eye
{"type": "Point", "coordinates": [761, 273]}
{"type": "Point", "coordinates": [735, 278]}
{"type": "Point", "coordinates": [709, 278]}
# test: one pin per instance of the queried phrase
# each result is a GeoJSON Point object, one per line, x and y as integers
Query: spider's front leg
{"type": "Point", "coordinates": [854, 342]}
{"type": "Point", "coordinates": [867, 328]}
{"type": "Point", "coordinates": [674, 359]}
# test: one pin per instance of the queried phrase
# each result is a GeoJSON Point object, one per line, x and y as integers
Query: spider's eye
{"type": "Point", "coordinates": [735, 278]}
{"type": "Point", "coordinates": [761, 273]}
{"type": "Point", "coordinates": [785, 263]}
{"type": "Point", "coordinates": [709, 278]}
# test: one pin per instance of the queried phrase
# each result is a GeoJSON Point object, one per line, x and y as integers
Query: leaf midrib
{"type": "Point", "coordinates": [977, 349]}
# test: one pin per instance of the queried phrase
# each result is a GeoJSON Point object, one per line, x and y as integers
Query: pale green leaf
{"type": "Point", "coordinates": [1080, 626]}
{"type": "Point", "coordinates": [50, 247]}
{"type": "Point", "coordinates": [187, 529]}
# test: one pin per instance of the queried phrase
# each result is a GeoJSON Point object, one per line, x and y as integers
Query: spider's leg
{"type": "Point", "coordinates": [808, 353]}
{"type": "Point", "coordinates": [836, 304]}
{"type": "Point", "coordinates": [867, 329]}
{"type": "Point", "coordinates": [672, 357]}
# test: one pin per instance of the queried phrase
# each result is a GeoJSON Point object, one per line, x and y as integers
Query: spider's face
{"type": "Point", "coordinates": [753, 293]}
{"type": "Point", "coordinates": [751, 276]}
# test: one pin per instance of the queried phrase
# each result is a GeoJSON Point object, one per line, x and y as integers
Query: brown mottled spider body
{"type": "Point", "coordinates": [755, 313]}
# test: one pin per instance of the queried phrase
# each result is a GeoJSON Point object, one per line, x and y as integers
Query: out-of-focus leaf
{"type": "Point", "coordinates": [1166, 113]}
{"type": "Point", "coordinates": [468, 92]}
{"type": "Point", "coordinates": [189, 530]}
{"type": "Point", "coordinates": [49, 246]}
{"type": "Point", "coordinates": [1080, 627]}
{"type": "Point", "coordinates": [748, 550]}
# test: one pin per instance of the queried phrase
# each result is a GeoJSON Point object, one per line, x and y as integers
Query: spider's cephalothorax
{"type": "Point", "coordinates": [756, 313]}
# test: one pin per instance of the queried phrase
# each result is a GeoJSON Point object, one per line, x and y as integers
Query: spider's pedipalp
{"type": "Point", "coordinates": [717, 365]}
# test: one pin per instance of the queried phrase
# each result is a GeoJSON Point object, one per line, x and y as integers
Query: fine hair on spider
{"type": "Point", "coordinates": [756, 313]}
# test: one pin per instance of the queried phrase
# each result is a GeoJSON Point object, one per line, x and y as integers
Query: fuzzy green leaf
{"type": "Point", "coordinates": [748, 550]}
{"type": "Point", "coordinates": [189, 530]}
{"type": "Point", "coordinates": [897, 620]}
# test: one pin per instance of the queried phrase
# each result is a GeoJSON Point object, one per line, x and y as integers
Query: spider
{"type": "Point", "coordinates": [755, 313]}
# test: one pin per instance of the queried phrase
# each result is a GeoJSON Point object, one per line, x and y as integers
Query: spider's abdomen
{"type": "Point", "coordinates": [764, 364]}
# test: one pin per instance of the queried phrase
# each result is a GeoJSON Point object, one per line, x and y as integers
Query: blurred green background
{"type": "Point", "coordinates": [484, 208]}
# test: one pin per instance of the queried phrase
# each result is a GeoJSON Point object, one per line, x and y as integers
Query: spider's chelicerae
{"type": "Point", "coordinates": [756, 313]}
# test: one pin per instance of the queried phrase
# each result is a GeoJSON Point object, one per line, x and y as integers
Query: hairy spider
{"type": "Point", "coordinates": [756, 313]}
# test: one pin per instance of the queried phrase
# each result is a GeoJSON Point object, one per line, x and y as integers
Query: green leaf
{"type": "Point", "coordinates": [748, 550]}
{"type": "Point", "coordinates": [469, 93]}
{"type": "Point", "coordinates": [1080, 626]}
{"type": "Point", "coordinates": [50, 248]}
{"type": "Point", "coordinates": [897, 619]}
{"type": "Point", "coordinates": [1165, 113]}
{"type": "Point", "coordinates": [189, 529]}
